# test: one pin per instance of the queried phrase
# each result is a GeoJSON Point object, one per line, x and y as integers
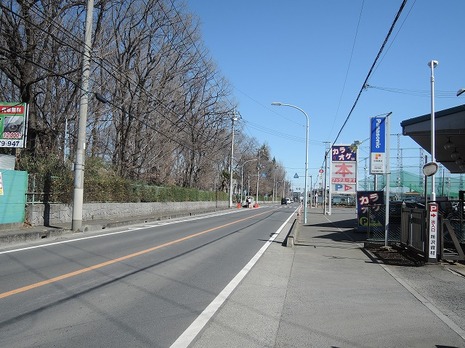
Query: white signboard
{"type": "Point", "coordinates": [343, 177]}
{"type": "Point", "coordinates": [433, 231]}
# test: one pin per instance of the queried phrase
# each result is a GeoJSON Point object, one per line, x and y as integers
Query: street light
{"type": "Point", "coordinates": [432, 64]}
{"type": "Point", "coordinates": [306, 152]}
{"type": "Point", "coordinates": [460, 91]}
{"type": "Point", "coordinates": [233, 119]}
{"type": "Point", "coordinates": [258, 176]}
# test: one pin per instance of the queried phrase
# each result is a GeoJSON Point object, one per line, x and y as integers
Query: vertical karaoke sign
{"type": "Point", "coordinates": [343, 169]}
{"type": "Point", "coordinates": [378, 145]}
{"type": "Point", "coordinates": [13, 124]}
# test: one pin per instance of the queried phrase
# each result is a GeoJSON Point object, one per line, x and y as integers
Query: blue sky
{"type": "Point", "coordinates": [317, 54]}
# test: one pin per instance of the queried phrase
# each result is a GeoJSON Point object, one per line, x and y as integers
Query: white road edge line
{"type": "Point", "coordinates": [199, 323]}
{"type": "Point", "coordinates": [126, 230]}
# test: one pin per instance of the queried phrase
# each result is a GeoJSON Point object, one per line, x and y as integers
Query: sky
{"type": "Point", "coordinates": [316, 55]}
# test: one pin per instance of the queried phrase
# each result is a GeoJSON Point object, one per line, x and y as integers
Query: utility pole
{"type": "Point", "coordinates": [327, 153]}
{"type": "Point", "coordinates": [78, 197]}
{"type": "Point", "coordinates": [258, 175]}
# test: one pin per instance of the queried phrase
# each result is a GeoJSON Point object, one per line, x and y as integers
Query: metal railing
{"type": "Point", "coordinates": [413, 231]}
{"type": "Point", "coordinates": [409, 227]}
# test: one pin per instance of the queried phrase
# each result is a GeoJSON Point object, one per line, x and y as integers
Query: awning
{"type": "Point", "coordinates": [450, 136]}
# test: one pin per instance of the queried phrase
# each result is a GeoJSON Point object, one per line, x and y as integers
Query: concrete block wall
{"type": "Point", "coordinates": [50, 214]}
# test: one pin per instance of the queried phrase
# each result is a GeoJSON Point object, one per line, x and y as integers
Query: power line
{"type": "Point", "coordinates": [414, 92]}
{"type": "Point", "coordinates": [371, 68]}
{"type": "Point", "coordinates": [370, 71]}
{"type": "Point", "coordinates": [348, 65]}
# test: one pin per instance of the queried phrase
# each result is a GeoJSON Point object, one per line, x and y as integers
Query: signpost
{"type": "Point", "coordinates": [369, 212]}
{"type": "Point", "coordinates": [343, 169]}
{"type": "Point", "coordinates": [433, 232]}
{"type": "Point", "coordinates": [378, 145]}
{"type": "Point", "coordinates": [379, 159]}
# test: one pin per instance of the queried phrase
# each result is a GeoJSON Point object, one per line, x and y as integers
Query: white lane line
{"type": "Point", "coordinates": [199, 323]}
{"type": "Point", "coordinates": [65, 241]}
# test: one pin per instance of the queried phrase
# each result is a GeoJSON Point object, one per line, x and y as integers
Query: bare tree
{"type": "Point", "coordinates": [167, 113]}
{"type": "Point", "coordinates": [40, 63]}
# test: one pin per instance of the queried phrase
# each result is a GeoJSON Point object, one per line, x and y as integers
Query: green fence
{"type": "Point", "coordinates": [13, 196]}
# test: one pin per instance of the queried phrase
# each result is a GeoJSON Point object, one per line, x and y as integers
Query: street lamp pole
{"type": "Point", "coordinates": [306, 152]}
{"type": "Point", "coordinates": [233, 119]}
{"type": "Point", "coordinates": [258, 177]}
{"type": "Point", "coordinates": [78, 194]}
{"type": "Point", "coordinates": [242, 175]}
{"type": "Point", "coordinates": [432, 64]}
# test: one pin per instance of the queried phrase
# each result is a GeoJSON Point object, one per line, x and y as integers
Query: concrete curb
{"type": "Point", "coordinates": [292, 235]}
{"type": "Point", "coordinates": [19, 237]}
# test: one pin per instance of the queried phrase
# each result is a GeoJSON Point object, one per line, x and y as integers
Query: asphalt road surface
{"type": "Point", "coordinates": [140, 286]}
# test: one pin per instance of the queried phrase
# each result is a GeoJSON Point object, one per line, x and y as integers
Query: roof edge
{"type": "Point", "coordinates": [437, 114]}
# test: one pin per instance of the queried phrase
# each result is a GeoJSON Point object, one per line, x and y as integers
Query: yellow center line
{"type": "Point", "coordinates": [119, 259]}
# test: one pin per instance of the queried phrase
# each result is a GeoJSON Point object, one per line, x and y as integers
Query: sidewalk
{"type": "Point", "coordinates": [327, 291]}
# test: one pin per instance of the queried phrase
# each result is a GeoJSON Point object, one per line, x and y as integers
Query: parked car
{"type": "Point", "coordinates": [283, 200]}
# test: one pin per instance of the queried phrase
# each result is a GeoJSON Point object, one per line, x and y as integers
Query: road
{"type": "Point", "coordinates": [140, 286]}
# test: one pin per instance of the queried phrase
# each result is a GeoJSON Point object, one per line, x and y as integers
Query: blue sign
{"type": "Point", "coordinates": [378, 134]}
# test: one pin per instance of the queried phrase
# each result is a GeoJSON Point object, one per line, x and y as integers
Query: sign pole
{"type": "Point", "coordinates": [388, 178]}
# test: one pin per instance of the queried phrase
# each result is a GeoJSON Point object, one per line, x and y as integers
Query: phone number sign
{"type": "Point", "coordinates": [13, 124]}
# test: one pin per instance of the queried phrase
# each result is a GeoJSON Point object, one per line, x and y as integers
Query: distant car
{"type": "Point", "coordinates": [284, 201]}
{"type": "Point", "coordinates": [289, 201]}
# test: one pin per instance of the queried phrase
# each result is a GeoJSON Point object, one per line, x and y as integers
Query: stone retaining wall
{"type": "Point", "coordinates": [50, 214]}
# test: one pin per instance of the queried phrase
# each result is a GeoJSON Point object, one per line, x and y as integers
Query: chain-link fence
{"type": "Point", "coordinates": [375, 217]}
{"type": "Point", "coordinates": [59, 189]}
{"type": "Point", "coordinates": [453, 210]}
